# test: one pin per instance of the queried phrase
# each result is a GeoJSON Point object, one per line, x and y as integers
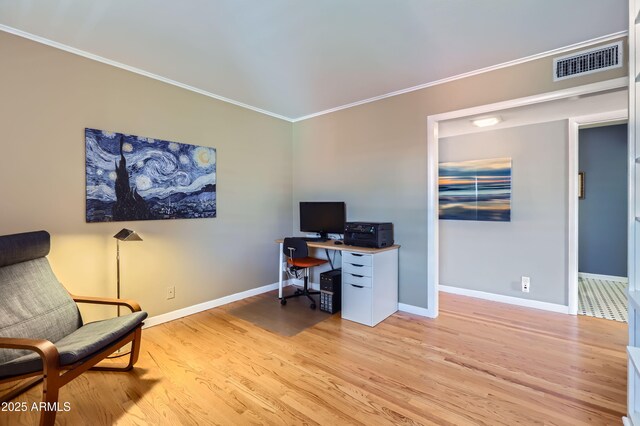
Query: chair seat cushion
{"type": "Point", "coordinates": [85, 341]}
{"type": "Point", "coordinates": [306, 262]}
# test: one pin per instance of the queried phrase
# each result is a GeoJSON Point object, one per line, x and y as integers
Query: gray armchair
{"type": "Point", "coordinates": [41, 329]}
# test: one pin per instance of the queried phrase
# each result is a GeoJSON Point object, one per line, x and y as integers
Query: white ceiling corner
{"type": "Point", "coordinates": [294, 59]}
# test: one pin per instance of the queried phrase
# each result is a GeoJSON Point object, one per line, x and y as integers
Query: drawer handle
{"type": "Point", "coordinates": [356, 275]}
{"type": "Point", "coordinates": [356, 265]}
{"type": "Point", "coordinates": [357, 286]}
{"type": "Point", "coordinates": [357, 254]}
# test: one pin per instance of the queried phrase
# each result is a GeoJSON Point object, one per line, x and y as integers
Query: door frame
{"type": "Point", "coordinates": [573, 241]}
{"type": "Point", "coordinates": [432, 172]}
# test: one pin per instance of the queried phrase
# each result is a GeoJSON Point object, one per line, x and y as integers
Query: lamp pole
{"type": "Point", "coordinates": [118, 271]}
{"type": "Point", "coordinates": [124, 235]}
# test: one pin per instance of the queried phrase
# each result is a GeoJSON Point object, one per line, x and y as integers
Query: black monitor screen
{"type": "Point", "coordinates": [323, 217]}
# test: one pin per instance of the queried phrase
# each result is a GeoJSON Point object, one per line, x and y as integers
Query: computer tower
{"type": "Point", "coordinates": [330, 291]}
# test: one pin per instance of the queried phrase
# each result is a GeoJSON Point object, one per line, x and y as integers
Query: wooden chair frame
{"type": "Point", "coordinates": [54, 376]}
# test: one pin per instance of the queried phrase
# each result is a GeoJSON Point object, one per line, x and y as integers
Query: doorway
{"type": "Point", "coordinates": [602, 221]}
{"type": "Point", "coordinates": [435, 130]}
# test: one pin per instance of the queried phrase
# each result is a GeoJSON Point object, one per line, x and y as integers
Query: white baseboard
{"type": "Point", "coordinates": [603, 277]}
{"type": "Point", "coordinates": [190, 310]}
{"type": "Point", "coordinates": [411, 309]}
{"type": "Point", "coordinates": [416, 310]}
{"type": "Point", "coordinates": [563, 309]}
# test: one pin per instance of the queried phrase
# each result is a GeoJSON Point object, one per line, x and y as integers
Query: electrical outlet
{"type": "Point", "coordinates": [171, 292]}
{"type": "Point", "coordinates": [526, 284]}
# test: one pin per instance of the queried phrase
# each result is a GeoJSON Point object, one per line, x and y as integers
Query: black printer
{"type": "Point", "coordinates": [368, 234]}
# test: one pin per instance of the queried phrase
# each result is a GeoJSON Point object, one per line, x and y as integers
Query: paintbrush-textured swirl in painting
{"type": "Point", "coordinates": [137, 178]}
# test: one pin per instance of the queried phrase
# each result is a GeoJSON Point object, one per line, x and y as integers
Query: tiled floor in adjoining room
{"type": "Point", "coordinates": [602, 299]}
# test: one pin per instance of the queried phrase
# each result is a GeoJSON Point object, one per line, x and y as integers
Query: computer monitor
{"type": "Point", "coordinates": [323, 217]}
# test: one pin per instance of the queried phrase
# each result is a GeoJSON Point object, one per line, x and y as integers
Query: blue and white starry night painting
{"type": "Point", "coordinates": [135, 178]}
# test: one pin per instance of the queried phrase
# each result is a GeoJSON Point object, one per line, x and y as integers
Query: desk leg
{"type": "Point", "coordinates": [280, 272]}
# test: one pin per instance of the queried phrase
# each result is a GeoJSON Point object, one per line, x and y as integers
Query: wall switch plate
{"type": "Point", "coordinates": [171, 292]}
{"type": "Point", "coordinates": [526, 284]}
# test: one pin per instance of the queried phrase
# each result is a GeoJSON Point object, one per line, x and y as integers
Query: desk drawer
{"type": "Point", "coordinates": [356, 304]}
{"type": "Point", "coordinates": [356, 279]}
{"type": "Point", "coordinates": [356, 258]}
{"type": "Point", "coordinates": [356, 269]}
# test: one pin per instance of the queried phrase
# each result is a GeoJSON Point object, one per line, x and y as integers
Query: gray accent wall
{"type": "Point", "coordinates": [603, 212]}
{"type": "Point", "coordinates": [492, 256]}
{"type": "Point", "coordinates": [373, 156]}
{"type": "Point", "coordinates": [50, 96]}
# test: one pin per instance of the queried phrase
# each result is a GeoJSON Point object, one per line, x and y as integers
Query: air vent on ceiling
{"type": "Point", "coordinates": [588, 61]}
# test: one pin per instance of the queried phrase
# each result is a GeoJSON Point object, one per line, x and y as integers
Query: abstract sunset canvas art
{"type": "Point", "coordinates": [475, 190]}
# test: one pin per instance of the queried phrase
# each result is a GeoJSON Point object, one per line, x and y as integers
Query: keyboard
{"type": "Point", "coordinates": [314, 239]}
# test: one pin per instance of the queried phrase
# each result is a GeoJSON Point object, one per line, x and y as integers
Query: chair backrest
{"type": "Point", "coordinates": [295, 248]}
{"type": "Point", "coordinates": [33, 304]}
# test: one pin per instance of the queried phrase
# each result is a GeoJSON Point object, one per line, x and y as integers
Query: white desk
{"type": "Point", "coordinates": [369, 280]}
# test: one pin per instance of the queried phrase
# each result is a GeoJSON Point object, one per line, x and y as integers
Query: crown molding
{"type": "Point", "coordinates": [142, 72]}
{"type": "Point", "coordinates": [135, 70]}
{"type": "Point", "coordinates": [560, 50]}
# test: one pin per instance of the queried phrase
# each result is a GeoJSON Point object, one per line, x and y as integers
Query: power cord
{"type": "Point", "coordinates": [334, 254]}
{"type": "Point", "coordinates": [118, 356]}
{"type": "Point", "coordinates": [291, 271]}
{"type": "Point", "coordinates": [331, 261]}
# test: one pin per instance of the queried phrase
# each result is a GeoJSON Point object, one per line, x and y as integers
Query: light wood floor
{"type": "Point", "coordinates": [478, 363]}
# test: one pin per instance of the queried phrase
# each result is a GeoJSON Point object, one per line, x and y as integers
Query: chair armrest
{"type": "Point", "coordinates": [134, 306]}
{"type": "Point", "coordinates": [47, 350]}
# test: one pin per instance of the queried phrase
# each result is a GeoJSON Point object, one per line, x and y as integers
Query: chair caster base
{"type": "Point", "coordinates": [283, 301]}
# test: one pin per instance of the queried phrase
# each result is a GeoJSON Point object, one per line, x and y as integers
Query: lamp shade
{"type": "Point", "coordinates": [127, 235]}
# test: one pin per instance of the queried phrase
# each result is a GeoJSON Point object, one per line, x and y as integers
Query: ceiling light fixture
{"type": "Point", "coordinates": [486, 121]}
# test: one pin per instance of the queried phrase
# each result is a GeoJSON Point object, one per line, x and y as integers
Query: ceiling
{"type": "Point", "coordinates": [558, 109]}
{"type": "Point", "coordinates": [294, 58]}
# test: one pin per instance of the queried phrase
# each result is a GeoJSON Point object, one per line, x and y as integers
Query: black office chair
{"type": "Point", "coordinates": [297, 253]}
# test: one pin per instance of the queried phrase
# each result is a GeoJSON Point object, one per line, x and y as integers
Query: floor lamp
{"type": "Point", "coordinates": [123, 235]}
